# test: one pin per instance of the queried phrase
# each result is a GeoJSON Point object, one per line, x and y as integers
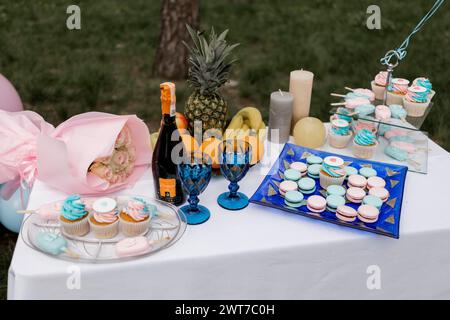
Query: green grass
{"type": "Point", "coordinates": [107, 65]}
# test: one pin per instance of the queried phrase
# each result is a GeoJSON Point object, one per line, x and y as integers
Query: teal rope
{"type": "Point", "coordinates": [400, 52]}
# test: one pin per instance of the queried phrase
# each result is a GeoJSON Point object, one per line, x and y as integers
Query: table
{"type": "Point", "coordinates": [262, 253]}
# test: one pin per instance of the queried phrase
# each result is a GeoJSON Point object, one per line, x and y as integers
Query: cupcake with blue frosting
{"type": "Point", "coordinates": [364, 144]}
{"type": "Point", "coordinates": [416, 101]}
{"type": "Point", "coordinates": [425, 83]}
{"type": "Point", "coordinates": [74, 216]}
{"type": "Point", "coordinates": [339, 134]}
{"type": "Point", "coordinates": [332, 172]}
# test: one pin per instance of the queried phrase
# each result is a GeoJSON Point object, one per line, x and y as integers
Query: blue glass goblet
{"type": "Point", "coordinates": [195, 174]}
{"type": "Point", "coordinates": [235, 161]}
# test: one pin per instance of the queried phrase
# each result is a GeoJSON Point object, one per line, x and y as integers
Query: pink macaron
{"type": "Point", "coordinates": [299, 166]}
{"type": "Point", "coordinates": [375, 182]}
{"type": "Point", "coordinates": [287, 186]}
{"type": "Point", "coordinates": [382, 112]}
{"type": "Point", "coordinates": [355, 195]}
{"type": "Point", "coordinates": [381, 193]}
{"type": "Point", "coordinates": [346, 213]}
{"type": "Point", "coordinates": [357, 180]}
{"type": "Point", "coordinates": [368, 213]}
{"type": "Point", "coordinates": [316, 204]}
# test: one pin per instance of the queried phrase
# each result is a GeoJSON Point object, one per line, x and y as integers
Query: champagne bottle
{"type": "Point", "coordinates": [165, 176]}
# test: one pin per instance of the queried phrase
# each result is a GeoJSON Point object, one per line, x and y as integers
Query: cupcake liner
{"type": "Point", "coordinates": [364, 152]}
{"type": "Point", "coordinates": [378, 90]}
{"type": "Point", "coordinates": [415, 109]}
{"type": "Point", "coordinates": [337, 141]}
{"type": "Point", "coordinates": [393, 98]}
{"type": "Point", "coordinates": [132, 229]}
{"type": "Point", "coordinates": [76, 228]}
{"type": "Point", "coordinates": [326, 180]}
{"type": "Point", "coordinates": [430, 97]}
{"type": "Point", "coordinates": [105, 231]}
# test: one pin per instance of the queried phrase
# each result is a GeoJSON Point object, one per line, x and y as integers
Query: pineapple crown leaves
{"type": "Point", "coordinates": [209, 66]}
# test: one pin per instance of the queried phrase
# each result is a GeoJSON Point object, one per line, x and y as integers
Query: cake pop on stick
{"type": "Point", "coordinates": [53, 244]}
{"type": "Point", "coordinates": [352, 103]}
{"type": "Point", "coordinates": [400, 155]}
{"type": "Point", "coordinates": [364, 93]}
{"type": "Point", "coordinates": [47, 212]}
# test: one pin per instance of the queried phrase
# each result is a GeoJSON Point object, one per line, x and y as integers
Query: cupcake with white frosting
{"type": "Point", "coordinates": [104, 220]}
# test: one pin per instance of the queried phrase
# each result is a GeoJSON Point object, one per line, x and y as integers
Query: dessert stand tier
{"type": "Point", "coordinates": [418, 161]}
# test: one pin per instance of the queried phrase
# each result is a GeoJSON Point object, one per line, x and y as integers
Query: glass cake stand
{"type": "Point", "coordinates": [410, 127]}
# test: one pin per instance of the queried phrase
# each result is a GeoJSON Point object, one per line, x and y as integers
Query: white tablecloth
{"type": "Point", "coordinates": [263, 253]}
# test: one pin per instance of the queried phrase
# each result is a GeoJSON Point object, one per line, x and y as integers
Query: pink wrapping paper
{"type": "Point", "coordinates": [18, 154]}
{"type": "Point", "coordinates": [65, 155]}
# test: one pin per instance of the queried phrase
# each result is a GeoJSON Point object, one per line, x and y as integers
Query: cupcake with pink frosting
{"type": "Point", "coordinates": [416, 101]}
{"type": "Point", "coordinates": [396, 91]}
{"type": "Point", "coordinates": [379, 85]}
{"type": "Point", "coordinates": [135, 217]}
{"type": "Point", "coordinates": [104, 219]}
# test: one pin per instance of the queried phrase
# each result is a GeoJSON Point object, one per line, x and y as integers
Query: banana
{"type": "Point", "coordinates": [236, 122]}
{"type": "Point", "coordinates": [252, 116]}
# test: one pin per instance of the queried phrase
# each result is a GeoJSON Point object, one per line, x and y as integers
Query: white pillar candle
{"type": "Point", "coordinates": [280, 116]}
{"type": "Point", "coordinates": [300, 85]}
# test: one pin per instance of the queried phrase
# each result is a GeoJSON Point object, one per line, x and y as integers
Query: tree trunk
{"type": "Point", "coordinates": [171, 54]}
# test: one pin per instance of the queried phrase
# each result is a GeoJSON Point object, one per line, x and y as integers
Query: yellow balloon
{"type": "Point", "coordinates": [310, 132]}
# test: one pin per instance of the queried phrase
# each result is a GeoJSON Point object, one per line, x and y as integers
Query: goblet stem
{"type": "Point", "coordinates": [193, 203]}
{"type": "Point", "coordinates": [233, 187]}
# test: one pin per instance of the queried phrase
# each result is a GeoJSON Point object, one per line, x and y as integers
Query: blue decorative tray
{"type": "Point", "coordinates": [389, 220]}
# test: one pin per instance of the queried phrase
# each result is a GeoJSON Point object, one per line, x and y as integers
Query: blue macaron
{"type": "Point", "coordinates": [367, 172]}
{"type": "Point", "coordinates": [292, 175]}
{"type": "Point", "coordinates": [336, 190]}
{"type": "Point", "coordinates": [334, 201]}
{"type": "Point", "coordinates": [314, 160]}
{"type": "Point", "coordinates": [350, 170]}
{"type": "Point", "coordinates": [313, 170]}
{"type": "Point", "coordinates": [307, 185]}
{"type": "Point", "coordinates": [373, 201]}
{"type": "Point", "coordinates": [293, 199]}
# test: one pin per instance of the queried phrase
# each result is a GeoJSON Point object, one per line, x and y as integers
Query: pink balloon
{"type": "Point", "coordinates": [9, 98]}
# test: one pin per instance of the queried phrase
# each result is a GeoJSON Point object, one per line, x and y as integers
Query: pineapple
{"type": "Point", "coordinates": [209, 69]}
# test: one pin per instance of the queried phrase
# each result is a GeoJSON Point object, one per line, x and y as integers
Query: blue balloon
{"type": "Point", "coordinates": [8, 215]}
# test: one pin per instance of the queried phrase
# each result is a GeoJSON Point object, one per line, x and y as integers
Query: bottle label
{"type": "Point", "coordinates": [167, 188]}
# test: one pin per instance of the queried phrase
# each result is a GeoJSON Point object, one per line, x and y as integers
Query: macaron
{"type": "Point", "coordinates": [346, 213]}
{"type": "Point", "coordinates": [307, 185]}
{"type": "Point", "coordinates": [355, 195]}
{"type": "Point", "coordinates": [375, 182]}
{"type": "Point", "coordinates": [293, 199]}
{"type": "Point", "coordinates": [316, 204]}
{"type": "Point", "coordinates": [350, 170]}
{"type": "Point", "coordinates": [314, 160]}
{"type": "Point", "coordinates": [368, 213]}
{"type": "Point", "coordinates": [299, 166]}
{"type": "Point", "coordinates": [373, 201]}
{"type": "Point", "coordinates": [292, 175]}
{"type": "Point", "coordinates": [333, 202]}
{"type": "Point", "coordinates": [313, 171]}
{"type": "Point", "coordinates": [367, 172]}
{"type": "Point", "coordinates": [357, 180]}
{"type": "Point", "coordinates": [381, 193]}
{"type": "Point", "coordinates": [287, 186]}
{"type": "Point", "coordinates": [336, 190]}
